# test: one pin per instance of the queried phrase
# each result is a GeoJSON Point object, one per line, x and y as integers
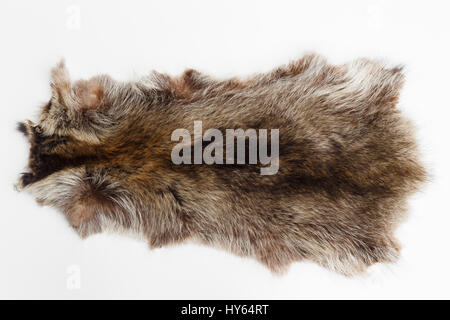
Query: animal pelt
{"type": "Point", "coordinates": [101, 153]}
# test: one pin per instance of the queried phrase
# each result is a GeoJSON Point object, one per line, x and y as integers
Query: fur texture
{"type": "Point", "coordinates": [101, 154]}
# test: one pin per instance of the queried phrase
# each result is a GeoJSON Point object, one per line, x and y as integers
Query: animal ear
{"type": "Point", "coordinates": [61, 85]}
{"type": "Point", "coordinates": [89, 93]}
{"type": "Point", "coordinates": [82, 95]}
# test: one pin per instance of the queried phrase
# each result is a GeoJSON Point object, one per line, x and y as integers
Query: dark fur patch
{"type": "Point", "coordinates": [22, 128]}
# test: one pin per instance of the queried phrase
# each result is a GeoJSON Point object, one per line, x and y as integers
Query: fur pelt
{"type": "Point", "coordinates": [101, 153]}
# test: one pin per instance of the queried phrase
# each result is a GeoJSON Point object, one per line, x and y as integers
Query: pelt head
{"type": "Point", "coordinates": [80, 126]}
{"type": "Point", "coordinates": [68, 126]}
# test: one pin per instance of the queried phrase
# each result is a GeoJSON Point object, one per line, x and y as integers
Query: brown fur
{"type": "Point", "coordinates": [101, 154]}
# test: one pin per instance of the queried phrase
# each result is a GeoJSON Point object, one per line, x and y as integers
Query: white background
{"type": "Point", "coordinates": [41, 257]}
